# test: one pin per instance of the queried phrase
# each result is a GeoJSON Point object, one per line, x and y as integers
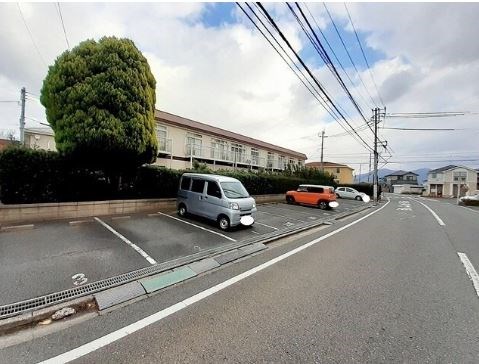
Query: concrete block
{"type": "Point", "coordinates": [117, 295]}
{"type": "Point", "coordinates": [154, 283]}
{"type": "Point", "coordinates": [253, 248]}
{"type": "Point", "coordinates": [230, 256]}
{"type": "Point", "coordinates": [203, 265]}
{"type": "Point", "coordinates": [15, 321]}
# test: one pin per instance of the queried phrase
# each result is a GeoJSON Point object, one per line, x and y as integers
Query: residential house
{"type": "Point", "coordinates": [5, 143]}
{"type": "Point", "coordinates": [181, 140]}
{"type": "Point", "coordinates": [342, 173]}
{"type": "Point", "coordinates": [40, 138]}
{"type": "Point", "coordinates": [451, 180]}
{"type": "Point", "coordinates": [398, 178]}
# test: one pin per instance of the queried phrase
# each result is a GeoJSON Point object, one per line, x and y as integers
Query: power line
{"type": "Point", "coordinates": [347, 52]}
{"type": "Point", "coordinates": [364, 56]}
{"type": "Point", "coordinates": [321, 88]}
{"type": "Point", "coordinates": [357, 89]}
{"type": "Point", "coordinates": [63, 24]}
{"type": "Point", "coordinates": [31, 36]}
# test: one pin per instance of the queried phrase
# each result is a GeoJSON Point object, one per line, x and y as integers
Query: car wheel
{"type": "Point", "coordinates": [182, 210]}
{"type": "Point", "coordinates": [338, 195]}
{"type": "Point", "coordinates": [358, 198]}
{"type": "Point", "coordinates": [224, 222]}
{"type": "Point", "coordinates": [323, 205]}
{"type": "Point", "coordinates": [289, 199]}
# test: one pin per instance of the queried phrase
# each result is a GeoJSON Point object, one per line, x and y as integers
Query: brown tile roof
{"type": "Point", "coordinates": [327, 164]}
{"type": "Point", "coordinates": [222, 133]}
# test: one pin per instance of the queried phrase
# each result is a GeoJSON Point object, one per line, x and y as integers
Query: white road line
{"type": "Point", "coordinates": [198, 226]}
{"type": "Point", "coordinates": [271, 227]}
{"type": "Point", "coordinates": [125, 240]}
{"type": "Point", "coordinates": [471, 271]}
{"type": "Point", "coordinates": [287, 217]}
{"type": "Point", "coordinates": [138, 325]}
{"type": "Point", "coordinates": [467, 208]}
{"type": "Point", "coordinates": [433, 213]}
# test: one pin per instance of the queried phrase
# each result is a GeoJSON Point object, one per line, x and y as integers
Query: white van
{"type": "Point", "coordinates": [219, 198]}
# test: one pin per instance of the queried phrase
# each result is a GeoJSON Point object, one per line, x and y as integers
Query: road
{"type": "Point", "coordinates": [388, 288]}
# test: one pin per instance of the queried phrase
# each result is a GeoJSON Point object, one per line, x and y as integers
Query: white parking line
{"type": "Point", "coordinates": [271, 227]}
{"type": "Point", "coordinates": [286, 217]}
{"type": "Point", "coordinates": [198, 226]}
{"type": "Point", "coordinates": [471, 271]}
{"type": "Point", "coordinates": [125, 240]}
{"type": "Point", "coordinates": [432, 212]}
{"type": "Point", "coordinates": [138, 325]}
{"type": "Point", "coordinates": [469, 209]}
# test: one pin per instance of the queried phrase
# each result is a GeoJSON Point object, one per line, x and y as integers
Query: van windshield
{"type": "Point", "coordinates": [234, 190]}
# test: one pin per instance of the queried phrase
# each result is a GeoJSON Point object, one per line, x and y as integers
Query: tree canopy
{"type": "Point", "coordinates": [100, 102]}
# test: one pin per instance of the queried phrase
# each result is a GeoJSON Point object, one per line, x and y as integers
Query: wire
{"type": "Point", "coordinates": [31, 36]}
{"type": "Point", "coordinates": [421, 129]}
{"type": "Point", "coordinates": [364, 55]}
{"type": "Point", "coordinates": [63, 24]}
{"type": "Point", "coordinates": [9, 101]}
{"type": "Point", "coordinates": [349, 55]}
{"type": "Point", "coordinates": [321, 88]}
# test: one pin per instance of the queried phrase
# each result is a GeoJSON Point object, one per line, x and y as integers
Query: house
{"type": "Point", "coordinates": [398, 178]}
{"type": "Point", "coordinates": [5, 143]}
{"type": "Point", "coordinates": [342, 173]}
{"type": "Point", "coordinates": [449, 181]}
{"type": "Point", "coordinates": [181, 140]}
{"type": "Point", "coordinates": [40, 138]}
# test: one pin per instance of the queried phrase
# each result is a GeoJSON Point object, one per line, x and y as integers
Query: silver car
{"type": "Point", "coordinates": [218, 198]}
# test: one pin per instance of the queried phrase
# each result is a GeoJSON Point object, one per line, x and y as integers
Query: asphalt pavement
{"type": "Point", "coordinates": [389, 288]}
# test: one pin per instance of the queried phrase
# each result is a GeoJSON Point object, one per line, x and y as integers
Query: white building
{"type": "Point", "coordinates": [449, 180]}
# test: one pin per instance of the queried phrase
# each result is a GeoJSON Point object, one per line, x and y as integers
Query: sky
{"type": "Point", "coordinates": [213, 66]}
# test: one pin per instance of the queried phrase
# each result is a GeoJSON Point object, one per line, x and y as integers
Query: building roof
{"type": "Point", "coordinates": [327, 164]}
{"type": "Point", "coordinates": [222, 133]}
{"type": "Point", "coordinates": [41, 131]}
{"type": "Point", "coordinates": [448, 168]}
{"type": "Point", "coordinates": [401, 173]}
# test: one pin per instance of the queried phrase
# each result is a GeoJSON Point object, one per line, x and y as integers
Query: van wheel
{"type": "Point", "coordinates": [289, 199]}
{"type": "Point", "coordinates": [224, 222]}
{"type": "Point", "coordinates": [358, 198]}
{"type": "Point", "coordinates": [182, 210]}
{"type": "Point", "coordinates": [323, 205]}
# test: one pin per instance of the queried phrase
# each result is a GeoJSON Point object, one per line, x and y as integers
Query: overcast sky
{"type": "Point", "coordinates": [211, 65]}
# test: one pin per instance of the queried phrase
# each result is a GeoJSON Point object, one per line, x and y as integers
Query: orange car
{"type": "Point", "coordinates": [322, 196]}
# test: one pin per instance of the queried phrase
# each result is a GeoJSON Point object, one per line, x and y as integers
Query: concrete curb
{"type": "Point", "coordinates": [17, 227]}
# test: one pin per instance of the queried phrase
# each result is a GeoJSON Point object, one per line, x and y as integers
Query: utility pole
{"type": "Point", "coordinates": [322, 147]}
{"type": "Point", "coordinates": [359, 177]}
{"type": "Point", "coordinates": [369, 170]}
{"type": "Point", "coordinates": [375, 181]}
{"type": "Point", "coordinates": [22, 115]}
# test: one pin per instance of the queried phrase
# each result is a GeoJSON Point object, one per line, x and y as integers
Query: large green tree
{"type": "Point", "coordinates": [100, 101]}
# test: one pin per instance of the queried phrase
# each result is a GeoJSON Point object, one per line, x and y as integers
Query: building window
{"type": "Point", "coordinates": [219, 149]}
{"type": "Point", "coordinates": [281, 161]}
{"type": "Point", "coordinates": [338, 170]}
{"type": "Point", "coordinates": [161, 135]}
{"type": "Point", "coordinates": [193, 144]}
{"type": "Point", "coordinates": [238, 152]}
{"type": "Point", "coordinates": [269, 161]}
{"type": "Point", "coordinates": [254, 156]}
{"type": "Point", "coordinates": [434, 175]}
{"type": "Point", "coordinates": [460, 176]}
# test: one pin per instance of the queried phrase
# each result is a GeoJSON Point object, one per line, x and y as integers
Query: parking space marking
{"type": "Point", "coordinates": [286, 217]}
{"type": "Point", "coordinates": [198, 226]}
{"type": "Point", "coordinates": [269, 226]}
{"type": "Point", "coordinates": [125, 240]}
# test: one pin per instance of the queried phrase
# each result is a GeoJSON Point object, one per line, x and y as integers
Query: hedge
{"type": "Point", "coordinates": [36, 176]}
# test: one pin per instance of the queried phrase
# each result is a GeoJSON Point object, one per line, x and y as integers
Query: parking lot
{"type": "Point", "coordinates": [54, 256]}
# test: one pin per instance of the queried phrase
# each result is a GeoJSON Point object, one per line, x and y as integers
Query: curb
{"type": "Point", "coordinates": [17, 227]}
{"type": "Point", "coordinates": [148, 280]}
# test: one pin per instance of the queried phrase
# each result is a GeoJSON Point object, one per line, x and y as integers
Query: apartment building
{"type": "Point", "coordinates": [181, 140]}
{"type": "Point", "coordinates": [342, 173]}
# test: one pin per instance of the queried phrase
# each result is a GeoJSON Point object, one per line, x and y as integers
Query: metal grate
{"type": "Point", "coordinates": [17, 308]}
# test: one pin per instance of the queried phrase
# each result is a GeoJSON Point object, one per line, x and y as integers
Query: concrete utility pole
{"type": "Point", "coordinates": [375, 181]}
{"type": "Point", "coordinates": [22, 115]}
{"type": "Point", "coordinates": [369, 170]}
{"type": "Point", "coordinates": [322, 147]}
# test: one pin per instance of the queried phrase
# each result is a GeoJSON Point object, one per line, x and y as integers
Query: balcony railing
{"type": "Point", "coordinates": [164, 145]}
{"type": "Point", "coordinates": [235, 158]}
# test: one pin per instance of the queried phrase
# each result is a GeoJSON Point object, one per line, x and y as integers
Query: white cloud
{"type": "Point", "coordinates": [230, 77]}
